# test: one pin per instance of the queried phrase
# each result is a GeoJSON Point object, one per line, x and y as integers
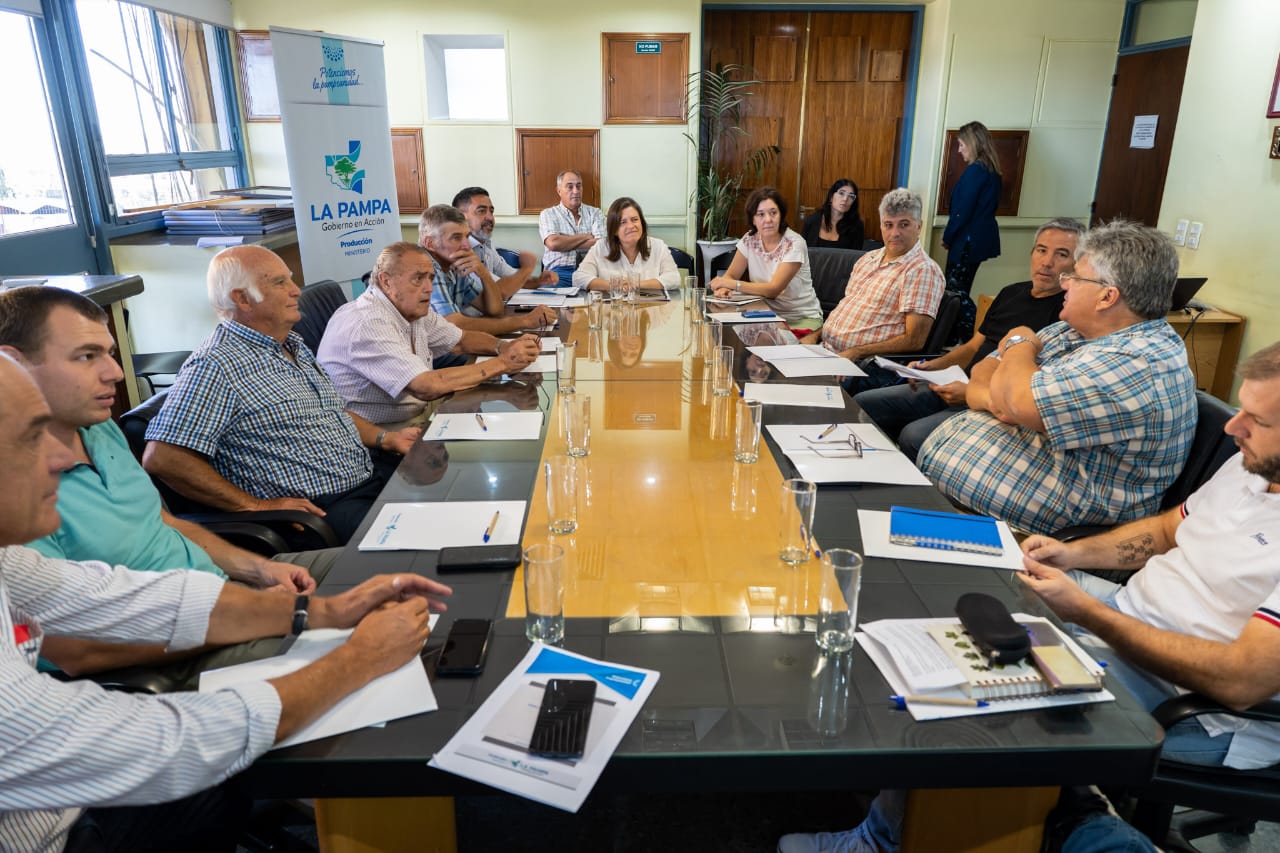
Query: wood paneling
{"type": "Point", "coordinates": [541, 154]}
{"type": "Point", "coordinates": [645, 88]}
{"type": "Point", "coordinates": [839, 59]}
{"type": "Point", "coordinates": [410, 168]}
{"type": "Point", "coordinates": [886, 66]}
{"type": "Point", "coordinates": [774, 58]}
{"type": "Point", "coordinates": [1011, 150]}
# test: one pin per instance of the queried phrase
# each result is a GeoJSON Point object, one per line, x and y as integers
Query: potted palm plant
{"type": "Point", "coordinates": [716, 97]}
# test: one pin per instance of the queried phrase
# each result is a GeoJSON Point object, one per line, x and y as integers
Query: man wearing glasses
{"type": "Point", "coordinates": [1090, 421]}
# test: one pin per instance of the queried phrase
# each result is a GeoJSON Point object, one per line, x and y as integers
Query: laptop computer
{"type": "Point", "coordinates": [1183, 291]}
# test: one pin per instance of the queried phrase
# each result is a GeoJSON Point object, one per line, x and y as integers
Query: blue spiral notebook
{"type": "Point", "coordinates": [946, 531]}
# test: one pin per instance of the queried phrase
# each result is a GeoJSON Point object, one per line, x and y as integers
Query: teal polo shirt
{"type": "Point", "coordinates": [111, 512]}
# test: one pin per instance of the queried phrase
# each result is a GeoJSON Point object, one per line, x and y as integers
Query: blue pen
{"type": "Point", "coordinates": [480, 420]}
{"type": "Point", "coordinates": [901, 701]}
{"type": "Point", "coordinates": [493, 522]}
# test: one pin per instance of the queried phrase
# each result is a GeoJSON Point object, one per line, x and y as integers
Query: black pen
{"type": "Point", "coordinates": [480, 420]}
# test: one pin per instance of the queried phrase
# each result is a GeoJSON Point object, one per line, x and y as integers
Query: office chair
{"type": "Point", "coordinates": [148, 365]}
{"type": "Point", "coordinates": [869, 245]}
{"type": "Point", "coordinates": [266, 532]}
{"type": "Point", "coordinates": [948, 312]}
{"type": "Point", "coordinates": [683, 260]}
{"type": "Point", "coordinates": [317, 304]}
{"type": "Point", "coordinates": [830, 269]}
{"type": "Point", "coordinates": [511, 256]}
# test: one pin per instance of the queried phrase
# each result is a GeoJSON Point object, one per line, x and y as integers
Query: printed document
{"type": "Point", "coordinates": [541, 364]}
{"type": "Point", "coordinates": [497, 426]}
{"type": "Point", "coordinates": [833, 458]}
{"type": "Point", "coordinates": [825, 396]}
{"type": "Point", "coordinates": [492, 747]}
{"type": "Point", "coordinates": [954, 373]}
{"type": "Point", "coordinates": [431, 526]}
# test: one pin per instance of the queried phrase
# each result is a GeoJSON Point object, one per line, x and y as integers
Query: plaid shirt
{"type": "Point", "coordinates": [453, 294]}
{"type": "Point", "coordinates": [1119, 414]}
{"type": "Point", "coordinates": [372, 353]}
{"type": "Point", "coordinates": [558, 220]}
{"type": "Point", "coordinates": [880, 295]}
{"type": "Point", "coordinates": [269, 426]}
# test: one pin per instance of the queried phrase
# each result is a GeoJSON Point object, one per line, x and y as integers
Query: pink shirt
{"type": "Point", "coordinates": [880, 295]}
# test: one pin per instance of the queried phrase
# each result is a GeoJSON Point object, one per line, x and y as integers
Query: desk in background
{"type": "Point", "coordinates": [1213, 341]}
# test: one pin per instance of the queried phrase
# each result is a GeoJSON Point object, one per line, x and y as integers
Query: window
{"type": "Point", "coordinates": [466, 78]}
{"type": "Point", "coordinates": [164, 109]}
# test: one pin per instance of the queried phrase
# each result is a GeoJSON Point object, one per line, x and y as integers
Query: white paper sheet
{"type": "Point", "coordinates": [429, 526]}
{"type": "Point", "coordinates": [881, 462]}
{"type": "Point", "coordinates": [735, 317]}
{"type": "Point", "coordinates": [879, 655]}
{"type": "Point", "coordinates": [875, 543]}
{"type": "Point", "coordinates": [550, 344]}
{"type": "Point", "coordinates": [778, 394]}
{"type": "Point", "coordinates": [774, 353]}
{"type": "Point", "coordinates": [541, 364]}
{"type": "Point", "coordinates": [534, 297]}
{"type": "Point", "coordinates": [954, 373]}
{"type": "Point", "coordinates": [492, 746]}
{"type": "Point", "coordinates": [501, 426]}
{"type": "Point", "coordinates": [794, 368]}
{"type": "Point", "coordinates": [734, 300]}
{"type": "Point", "coordinates": [402, 693]}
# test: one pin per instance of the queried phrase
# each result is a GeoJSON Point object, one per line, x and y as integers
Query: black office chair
{"type": "Point", "coordinates": [719, 264]}
{"type": "Point", "coordinates": [1220, 798]}
{"type": "Point", "coordinates": [266, 532]}
{"type": "Point", "coordinates": [317, 304]}
{"type": "Point", "coordinates": [869, 245]}
{"type": "Point", "coordinates": [511, 256]}
{"type": "Point", "coordinates": [149, 365]}
{"type": "Point", "coordinates": [948, 311]}
{"type": "Point", "coordinates": [683, 259]}
{"type": "Point", "coordinates": [830, 269]}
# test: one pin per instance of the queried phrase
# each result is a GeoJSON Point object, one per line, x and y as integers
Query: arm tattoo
{"type": "Point", "coordinates": [1136, 550]}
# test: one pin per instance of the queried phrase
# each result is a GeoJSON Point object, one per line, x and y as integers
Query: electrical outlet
{"type": "Point", "coordinates": [1180, 233]}
{"type": "Point", "coordinates": [1193, 235]}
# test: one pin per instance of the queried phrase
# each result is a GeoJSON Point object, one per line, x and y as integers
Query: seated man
{"type": "Point", "coordinates": [892, 297]}
{"type": "Point", "coordinates": [477, 207]}
{"type": "Point", "coordinates": [909, 412]}
{"type": "Point", "coordinates": [379, 349]}
{"type": "Point", "coordinates": [569, 229]}
{"type": "Point", "coordinates": [62, 339]}
{"type": "Point", "coordinates": [1090, 422]}
{"type": "Point", "coordinates": [253, 422]}
{"type": "Point", "coordinates": [74, 753]}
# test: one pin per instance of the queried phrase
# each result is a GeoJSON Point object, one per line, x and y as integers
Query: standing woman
{"type": "Point", "coordinates": [972, 235]}
{"type": "Point", "coordinates": [775, 262]}
{"type": "Point", "coordinates": [836, 224]}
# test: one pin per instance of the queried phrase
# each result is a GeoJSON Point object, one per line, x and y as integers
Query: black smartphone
{"type": "Point", "coordinates": [465, 648]}
{"type": "Point", "coordinates": [564, 717]}
{"type": "Point", "coordinates": [478, 558]}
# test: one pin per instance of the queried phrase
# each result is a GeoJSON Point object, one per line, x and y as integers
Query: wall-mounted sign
{"type": "Point", "coordinates": [648, 47]}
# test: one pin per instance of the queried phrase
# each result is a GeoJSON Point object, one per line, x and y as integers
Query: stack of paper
{"type": "Point", "coordinates": [832, 459]}
{"type": "Point", "coordinates": [735, 317]}
{"type": "Point", "coordinates": [489, 426]}
{"type": "Point", "coordinates": [430, 526]}
{"type": "Point", "coordinates": [794, 360]}
{"type": "Point", "coordinates": [538, 297]}
{"type": "Point", "coordinates": [734, 300]}
{"type": "Point", "coordinates": [492, 747]}
{"type": "Point", "coordinates": [778, 394]}
{"type": "Point", "coordinates": [541, 364]}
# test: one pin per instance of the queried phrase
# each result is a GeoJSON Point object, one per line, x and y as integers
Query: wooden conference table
{"type": "Point", "coordinates": [674, 567]}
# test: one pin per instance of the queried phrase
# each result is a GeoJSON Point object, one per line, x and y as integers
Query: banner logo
{"type": "Point", "coordinates": [342, 170]}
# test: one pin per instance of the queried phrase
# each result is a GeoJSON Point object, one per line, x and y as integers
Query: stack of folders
{"type": "Point", "coordinates": [947, 531]}
{"type": "Point", "coordinates": [1053, 667]}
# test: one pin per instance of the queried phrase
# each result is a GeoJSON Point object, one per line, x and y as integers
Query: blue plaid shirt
{"type": "Point", "coordinates": [270, 427]}
{"type": "Point", "coordinates": [1119, 415]}
{"type": "Point", "coordinates": [452, 293]}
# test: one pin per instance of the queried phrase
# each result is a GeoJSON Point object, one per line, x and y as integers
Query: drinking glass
{"type": "Point", "coordinates": [576, 413]}
{"type": "Point", "coordinates": [595, 309]}
{"type": "Point", "coordinates": [562, 494]}
{"type": "Point", "coordinates": [722, 371]}
{"type": "Point", "coordinates": [544, 593]}
{"type": "Point", "coordinates": [746, 434]}
{"type": "Point", "coordinates": [566, 366]}
{"type": "Point", "coordinates": [799, 498]}
{"type": "Point", "coordinates": [838, 599]}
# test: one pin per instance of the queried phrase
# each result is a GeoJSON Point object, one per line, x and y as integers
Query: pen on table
{"type": "Point", "coordinates": [810, 541]}
{"type": "Point", "coordinates": [826, 432]}
{"type": "Point", "coordinates": [480, 420]}
{"type": "Point", "coordinates": [493, 522]}
{"type": "Point", "coordinates": [901, 701]}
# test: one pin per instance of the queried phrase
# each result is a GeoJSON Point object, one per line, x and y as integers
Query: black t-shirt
{"type": "Point", "coordinates": [849, 229]}
{"type": "Point", "coordinates": [1015, 306]}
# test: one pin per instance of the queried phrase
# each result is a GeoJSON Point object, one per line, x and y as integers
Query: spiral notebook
{"type": "Point", "coordinates": [985, 680]}
{"type": "Point", "coordinates": [947, 531]}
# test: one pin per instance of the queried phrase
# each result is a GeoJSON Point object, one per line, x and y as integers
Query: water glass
{"type": "Point", "coordinates": [595, 309]}
{"type": "Point", "coordinates": [617, 288]}
{"type": "Point", "coordinates": [576, 413]}
{"type": "Point", "coordinates": [746, 434]}
{"type": "Point", "coordinates": [562, 494]}
{"type": "Point", "coordinates": [566, 366]}
{"type": "Point", "coordinates": [828, 711]}
{"type": "Point", "coordinates": [698, 310]}
{"type": "Point", "coordinates": [838, 599]}
{"type": "Point", "coordinates": [713, 339]}
{"type": "Point", "coordinates": [722, 371]}
{"type": "Point", "coordinates": [631, 286]}
{"type": "Point", "coordinates": [688, 284]}
{"type": "Point", "coordinates": [544, 593]}
{"type": "Point", "coordinates": [799, 498]}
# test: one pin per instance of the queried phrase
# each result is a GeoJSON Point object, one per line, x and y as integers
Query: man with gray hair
{"type": "Point", "coordinates": [569, 229]}
{"type": "Point", "coordinates": [253, 422]}
{"type": "Point", "coordinates": [908, 412]}
{"type": "Point", "coordinates": [893, 292]}
{"type": "Point", "coordinates": [1088, 421]}
{"type": "Point", "coordinates": [463, 292]}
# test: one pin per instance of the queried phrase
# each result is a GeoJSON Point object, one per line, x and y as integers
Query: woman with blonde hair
{"type": "Point", "coordinates": [972, 235]}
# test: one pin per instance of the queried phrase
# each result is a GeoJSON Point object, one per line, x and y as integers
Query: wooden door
{"type": "Point", "coordinates": [410, 169]}
{"type": "Point", "coordinates": [645, 87]}
{"type": "Point", "coordinates": [543, 154]}
{"type": "Point", "coordinates": [832, 94]}
{"type": "Point", "coordinates": [1131, 180]}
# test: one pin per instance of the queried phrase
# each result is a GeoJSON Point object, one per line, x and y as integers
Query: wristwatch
{"type": "Point", "coordinates": [300, 605]}
{"type": "Point", "coordinates": [497, 347]}
{"type": "Point", "coordinates": [1014, 340]}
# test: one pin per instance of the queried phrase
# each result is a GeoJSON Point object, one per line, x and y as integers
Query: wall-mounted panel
{"type": "Point", "coordinates": [994, 86]}
{"type": "Point", "coordinates": [1061, 165]}
{"type": "Point", "coordinates": [1077, 82]}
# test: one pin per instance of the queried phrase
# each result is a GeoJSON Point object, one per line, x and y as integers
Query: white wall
{"type": "Point", "coordinates": [1219, 171]}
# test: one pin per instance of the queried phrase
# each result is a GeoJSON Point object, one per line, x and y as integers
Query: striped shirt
{"type": "Point", "coordinates": [496, 264]}
{"type": "Point", "coordinates": [1119, 413]}
{"type": "Point", "coordinates": [880, 295]}
{"type": "Point", "coordinates": [452, 293]}
{"type": "Point", "coordinates": [69, 745]}
{"type": "Point", "coordinates": [372, 353]}
{"type": "Point", "coordinates": [269, 426]}
{"type": "Point", "coordinates": [558, 220]}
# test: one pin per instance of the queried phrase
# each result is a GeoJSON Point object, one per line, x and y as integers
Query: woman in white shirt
{"type": "Point", "coordinates": [776, 261]}
{"type": "Point", "coordinates": [627, 249]}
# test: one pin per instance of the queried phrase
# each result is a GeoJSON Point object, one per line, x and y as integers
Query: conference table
{"type": "Point", "coordinates": [674, 567]}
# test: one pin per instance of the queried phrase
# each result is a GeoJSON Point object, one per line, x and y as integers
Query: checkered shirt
{"type": "Point", "coordinates": [1119, 414]}
{"type": "Point", "coordinates": [452, 293]}
{"type": "Point", "coordinates": [880, 295]}
{"type": "Point", "coordinates": [269, 426]}
{"type": "Point", "coordinates": [558, 220]}
{"type": "Point", "coordinates": [372, 353]}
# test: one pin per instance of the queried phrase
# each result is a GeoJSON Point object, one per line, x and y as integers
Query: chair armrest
{"type": "Point", "coordinates": [1080, 531]}
{"type": "Point", "coordinates": [249, 535]}
{"type": "Point", "coordinates": [299, 530]}
{"type": "Point", "coordinates": [127, 679]}
{"type": "Point", "coordinates": [907, 357]}
{"type": "Point", "coordinates": [1188, 705]}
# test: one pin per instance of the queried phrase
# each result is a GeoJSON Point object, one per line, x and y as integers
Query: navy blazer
{"type": "Point", "coordinates": [973, 215]}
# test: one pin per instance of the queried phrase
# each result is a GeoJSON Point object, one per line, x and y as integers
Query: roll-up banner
{"type": "Point", "coordinates": [337, 139]}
